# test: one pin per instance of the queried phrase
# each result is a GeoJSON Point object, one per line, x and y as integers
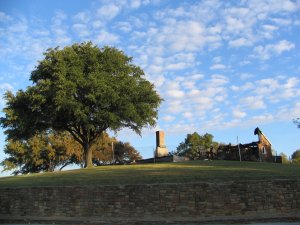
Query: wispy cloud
{"type": "Point", "coordinates": [266, 52]}
{"type": "Point", "coordinates": [182, 46]}
{"type": "Point", "coordinates": [108, 12]}
{"type": "Point", "coordinates": [218, 67]}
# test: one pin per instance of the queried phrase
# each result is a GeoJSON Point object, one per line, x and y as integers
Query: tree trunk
{"type": "Point", "coordinates": [63, 166]}
{"type": "Point", "coordinates": [88, 154]}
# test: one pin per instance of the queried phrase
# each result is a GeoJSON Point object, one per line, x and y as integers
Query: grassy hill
{"type": "Point", "coordinates": [192, 171]}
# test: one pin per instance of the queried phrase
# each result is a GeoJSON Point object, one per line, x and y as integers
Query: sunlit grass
{"type": "Point", "coordinates": [192, 171]}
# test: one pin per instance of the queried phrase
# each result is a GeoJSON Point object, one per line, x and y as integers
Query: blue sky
{"type": "Point", "coordinates": [223, 67]}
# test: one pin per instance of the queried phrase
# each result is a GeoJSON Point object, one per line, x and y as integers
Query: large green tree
{"type": "Point", "coordinates": [196, 146]}
{"type": "Point", "coordinates": [84, 90]}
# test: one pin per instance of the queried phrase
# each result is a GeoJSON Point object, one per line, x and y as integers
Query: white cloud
{"type": "Point", "coordinates": [240, 42]}
{"type": "Point", "coordinates": [243, 88]}
{"type": "Point", "coordinates": [177, 66]}
{"type": "Point", "coordinates": [169, 118]}
{"type": "Point", "coordinates": [60, 29]}
{"type": "Point", "coordinates": [297, 22]}
{"type": "Point", "coordinates": [235, 88]}
{"type": "Point", "coordinates": [108, 12]}
{"type": "Point", "coordinates": [197, 76]}
{"type": "Point", "coordinates": [188, 115]}
{"type": "Point", "coordinates": [217, 59]}
{"type": "Point", "coordinates": [218, 80]}
{"type": "Point", "coordinates": [105, 38]}
{"type": "Point", "coordinates": [41, 32]}
{"type": "Point", "coordinates": [218, 67]}
{"type": "Point", "coordinates": [158, 80]}
{"type": "Point", "coordinates": [6, 87]}
{"type": "Point", "coordinates": [246, 76]}
{"type": "Point", "coordinates": [81, 30]}
{"type": "Point", "coordinates": [283, 46]}
{"type": "Point", "coordinates": [4, 17]}
{"type": "Point", "coordinates": [189, 84]}
{"type": "Point", "coordinates": [82, 17]}
{"type": "Point", "coordinates": [175, 93]}
{"type": "Point", "coordinates": [125, 26]}
{"type": "Point", "coordinates": [186, 35]}
{"type": "Point", "coordinates": [253, 102]}
{"type": "Point", "coordinates": [194, 93]}
{"type": "Point", "coordinates": [97, 24]}
{"type": "Point", "coordinates": [262, 119]}
{"type": "Point", "coordinates": [19, 27]}
{"type": "Point", "coordinates": [179, 42]}
{"type": "Point", "coordinates": [289, 112]}
{"type": "Point", "coordinates": [175, 106]}
{"type": "Point", "coordinates": [203, 103]}
{"type": "Point", "coordinates": [284, 90]}
{"type": "Point", "coordinates": [238, 114]}
{"type": "Point", "coordinates": [234, 25]}
{"type": "Point", "coordinates": [266, 52]}
{"type": "Point", "coordinates": [292, 82]}
{"type": "Point", "coordinates": [135, 4]}
{"type": "Point", "coordinates": [154, 69]}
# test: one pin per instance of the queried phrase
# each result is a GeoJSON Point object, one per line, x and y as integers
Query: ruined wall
{"type": "Point", "coordinates": [267, 152]}
{"type": "Point", "coordinates": [155, 201]}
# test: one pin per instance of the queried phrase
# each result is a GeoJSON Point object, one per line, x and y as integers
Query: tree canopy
{"type": "Point", "coordinates": [53, 151]}
{"type": "Point", "coordinates": [84, 90]}
{"type": "Point", "coordinates": [196, 146]}
{"type": "Point", "coordinates": [284, 158]}
{"type": "Point", "coordinates": [42, 152]}
{"type": "Point", "coordinates": [108, 150]}
{"type": "Point", "coordinates": [296, 157]}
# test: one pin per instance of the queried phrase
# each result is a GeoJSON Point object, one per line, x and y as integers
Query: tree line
{"type": "Point", "coordinates": [49, 151]}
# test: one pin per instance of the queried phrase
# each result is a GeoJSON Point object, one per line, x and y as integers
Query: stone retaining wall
{"type": "Point", "coordinates": [262, 199]}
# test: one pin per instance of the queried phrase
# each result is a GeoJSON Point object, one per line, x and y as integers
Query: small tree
{"type": "Point", "coordinates": [296, 157]}
{"type": "Point", "coordinates": [125, 153]}
{"type": "Point", "coordinates": [108, 150]}
{"type": "Point", "coordinates": [102, 149]}
{"type": "Point", "coordinates": [196, 146]}
{"type": "Point", "coordinates": [284, 158]}
{"type": "Point", "coordinates": [83, 90]}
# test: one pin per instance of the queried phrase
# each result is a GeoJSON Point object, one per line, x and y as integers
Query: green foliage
{"type": "Point", "coordinates": [123, 151]}
{"type": "Point", "coordinates": [196, 146]}
{"type": "Point", "coordinates": [42, 152]}
{"type": "Point", "coordinates": [284, 158]}
{"type": "Point", "coordinates": [49, 151]}
{"type": "Point", "coordinates": [296, 157]}
{"type": "Point", "coordinates": [84, 90]}
{"type": "Point", "coordinates": [102, 149]}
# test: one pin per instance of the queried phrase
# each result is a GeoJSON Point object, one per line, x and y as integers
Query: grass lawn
{"type": "Point", "coordinates": [192, 171]}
